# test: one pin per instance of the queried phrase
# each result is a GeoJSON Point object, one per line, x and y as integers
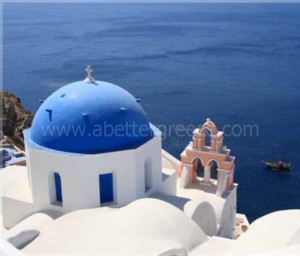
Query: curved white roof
{"type": "Point", "coordinates": [200, 196]}
{"type": "Point", "coordinates": [145, 227]}
{"type": "Point", "coordinates": [7, 249]}
{"type": "Point", "coordinates": [273, 231]}
{"type": "Point", "coordinates": [204, 215]}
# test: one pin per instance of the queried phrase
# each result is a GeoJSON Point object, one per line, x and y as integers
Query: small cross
{"type": "Point", "coordinates": [89, 78]}
{"type": "Point", "coordinates": [89, 71]}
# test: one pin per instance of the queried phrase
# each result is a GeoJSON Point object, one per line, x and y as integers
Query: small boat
{"type": "Point", "coordinates": [281, 166]}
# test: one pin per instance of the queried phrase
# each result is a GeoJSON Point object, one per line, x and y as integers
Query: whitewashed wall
{"type": "Point", "coordinates": [80, 178]}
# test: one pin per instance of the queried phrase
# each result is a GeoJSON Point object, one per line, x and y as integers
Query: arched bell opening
{"type": "Point", "coordinates": [198, 167]}
{"type": "Point", "coordinates": [213, 169]}
{"type": "Point", "coordinates": [207, 138]}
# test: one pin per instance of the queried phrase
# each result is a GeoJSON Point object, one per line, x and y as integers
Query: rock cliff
{"type": "Point", "coordinates": [14, 118]}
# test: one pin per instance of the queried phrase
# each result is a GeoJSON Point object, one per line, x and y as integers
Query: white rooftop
{"type": "Point", "coordinates": [144, 227]}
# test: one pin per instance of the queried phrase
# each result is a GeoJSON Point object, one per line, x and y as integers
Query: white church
{"type": "Point", "coordinates": [91, 149]}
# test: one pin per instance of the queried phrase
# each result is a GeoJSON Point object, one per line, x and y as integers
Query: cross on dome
{"type": "Point", "coordinates": [89, 70]}
{"type": "Point", "coordinates": [89, 78]}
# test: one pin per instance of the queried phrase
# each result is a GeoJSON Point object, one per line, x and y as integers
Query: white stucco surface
{"type": "Point", "coordinates": [204, 215]}
{"type": "Point", "coordinates": [2, 229]}
{"type": "Point", "coordinates": [144, 227]}
{"type": "Point", "coordinates": [152, 227]}
{"type": "Point", "coordinates": [6, 249]}
{"type": "Point", "coordinates": [286, 251]}
{"type": "Point", "coordinates": [195, 194]}
{"type": "Point", "coordinates": [201, 212]}
{"type": "Point", "coordinates": [214, 246]}
{"type": "Point", "coordinates": [34, 222]}
{"type": "Point", "coordinates": [273, 231]}
{"type": "Point", "coordinates": [224, 207]}
{"type": "Point", "coordinates": [136, 173]}
{"type": "Point", "coordinates": [12, 177]}
{"type": "Point", "coordinates": [169, 161]}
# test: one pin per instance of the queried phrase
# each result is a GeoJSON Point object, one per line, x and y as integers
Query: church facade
{"type": "Point", "coordinates": [91, 145]}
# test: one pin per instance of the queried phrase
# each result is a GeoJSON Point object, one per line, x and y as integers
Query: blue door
{"type": "Point", "coordinates": [57, 182]}
{"type": "Point", "coordinates": [106, 185]}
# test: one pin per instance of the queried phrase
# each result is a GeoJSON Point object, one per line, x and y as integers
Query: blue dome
{"type": "Point", "coordinates": [90, 118]}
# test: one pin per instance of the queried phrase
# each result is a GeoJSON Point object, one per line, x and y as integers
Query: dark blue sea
{"type": "Point", "coordinates": [238, 64]}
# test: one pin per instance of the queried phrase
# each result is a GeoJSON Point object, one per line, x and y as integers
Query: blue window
{"type": "Point", "coordinates": [148, 175]}
{"type": "Point", "coordinates": [58, 191]}
{"type": "Point", "coordinates": [106, 188]}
